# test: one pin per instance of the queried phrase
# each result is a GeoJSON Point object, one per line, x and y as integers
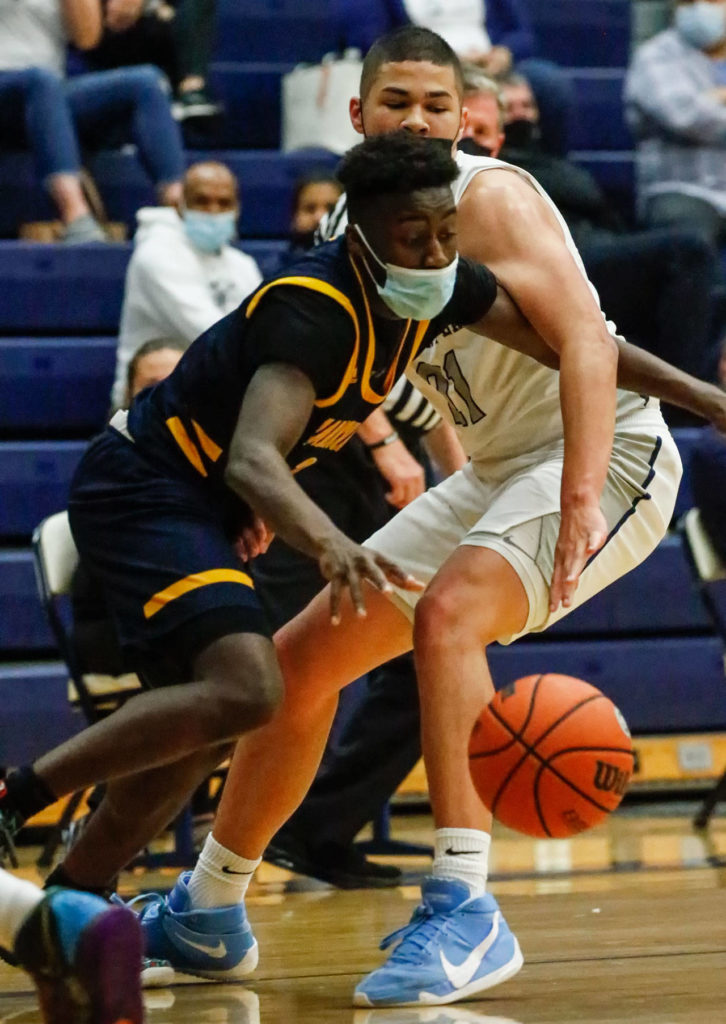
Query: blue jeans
{"type": "Point", "coordinates": [50, 114]}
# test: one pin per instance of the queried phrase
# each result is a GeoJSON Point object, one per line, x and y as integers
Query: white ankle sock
{"type": "Point", "coordinates": [18, 899]}
{"type": "Point", "coordinates": [221, 877]}
{"type": "Point", "coordinates": [462, 854]}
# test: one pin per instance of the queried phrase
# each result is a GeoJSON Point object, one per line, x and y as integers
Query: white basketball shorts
{"type": "Point", "coordinates": [519, 518]}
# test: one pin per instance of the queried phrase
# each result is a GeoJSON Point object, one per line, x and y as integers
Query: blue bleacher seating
{"type": "Point", "coordinates": [36, 715]}
{"type": "Point", "coordinates": [663, 684]}
{"type": "Point", "coordinates": [251, 95]}
{"type": "Point", "coordinates": [34, 479]}
{"type": "Point", "coordinates": [275, 30]}
{"type": "Point", "coordinates": [23, 626]}
{"type": "Point", "coordinates": [588, 33]}
{"type": "Point", "coordinates": [55, 385]}
{"type": "Point", "coordinates": [599, 123]}
{"type": "Point", "coordinates": [48, 289]}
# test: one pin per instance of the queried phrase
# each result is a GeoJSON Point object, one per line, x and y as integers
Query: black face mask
{"type": "Point", "coordinates": [521, 134]}
{"type": "Point", "coordinates": [303, 239]}
{"type": "Point", "coordinates": [473, 147]}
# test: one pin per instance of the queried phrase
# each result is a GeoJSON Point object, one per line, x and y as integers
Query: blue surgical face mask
{"type": "Point", "coordinates": [701, 24]}
{"type": "Point", "coordinates": [210, 231]}
{"type": "Point", "coordinates": [414, 294]}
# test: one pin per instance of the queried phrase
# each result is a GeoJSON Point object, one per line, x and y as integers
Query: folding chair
{"type": "Point", "coordinates": [710, 573]}
{"type": "Point", "coordinates": [56, 558]}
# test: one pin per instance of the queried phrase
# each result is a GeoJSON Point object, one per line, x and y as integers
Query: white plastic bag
{"type": "Point", "coordinates": [315, 99]}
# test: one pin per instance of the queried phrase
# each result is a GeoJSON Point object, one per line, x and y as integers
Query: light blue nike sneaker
{"type": "Point", "coordinates": [216, 943]}
{"type": "Point", "coordinates": [454, 947]}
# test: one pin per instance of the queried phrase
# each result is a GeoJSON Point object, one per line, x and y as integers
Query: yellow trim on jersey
{"type": "Point", "coordinates": [316, 285]}
{"type": "Point", "coordinates": [210, 448]}
{"type": "Point", "coordinates": [305, 464]}
{"type": "Point", "coordinates": [420, 331]}
{"type": "Point", "coordinates": [197, 579]}
{"type": "Point", "coordinates": [369, 395]}
{"type": "Point", "coordinates": [182, 438]}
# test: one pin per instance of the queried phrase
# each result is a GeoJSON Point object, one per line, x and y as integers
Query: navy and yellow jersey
{"type": "Point", "coordinates": [316, 316]}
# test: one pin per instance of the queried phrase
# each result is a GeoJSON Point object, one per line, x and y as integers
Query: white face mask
{"type": "Point", "coordinates": [701, 24]}
{"type": "Point", "coordinates": [414, 294]}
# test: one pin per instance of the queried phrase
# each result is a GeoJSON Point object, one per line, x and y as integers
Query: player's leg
{"type": "Point", "coordinates": [84, 956]}
{"type": "Point", "coordinates": [131, 814]}
{"type": "Point", "coordinates": [496, 587]}
{"type": "Point", "coordinates": [475, 598]}
{"type": "Point", "coordinates": [238, 687]}
{"type": "Point", "coordinates": [273, 768]}
{"type": "Point", "coordinates": [201, 928]}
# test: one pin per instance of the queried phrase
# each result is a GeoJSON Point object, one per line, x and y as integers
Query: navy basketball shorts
{"type": "Point", "coordinates": [158, 548]}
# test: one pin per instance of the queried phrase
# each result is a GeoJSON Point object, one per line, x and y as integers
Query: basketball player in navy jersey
{"type": "Point", "coordinates": [162, 496]}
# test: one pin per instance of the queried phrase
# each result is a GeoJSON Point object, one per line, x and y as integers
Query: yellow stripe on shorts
{"type": "Point", "coordinates": [197, 579]}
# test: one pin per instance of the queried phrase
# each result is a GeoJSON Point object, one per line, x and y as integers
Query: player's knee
{"type": "Point", "coordinates": [447, 616]}
{"type": "Point", "coordinates": [437, 616]}
{"type": "Point", "coordinates": [245, 685]}
{"type": "Point", "coordinates": [244, 704]}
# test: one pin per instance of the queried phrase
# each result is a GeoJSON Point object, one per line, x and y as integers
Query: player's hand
{"type": "Point", "coordinates": [401, 471]}
{"type": "Point", "coordinates": [346, 565]}
{"type": "Point", "coordinates": [254, 540]}
{"type": "Point", "coordinates": [583, 531]}
{"type": "Point", "coordinates": [712, 406]}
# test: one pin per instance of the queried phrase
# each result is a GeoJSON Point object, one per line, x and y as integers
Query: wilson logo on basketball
{"type": "Point", "coordinates": [610, 778]}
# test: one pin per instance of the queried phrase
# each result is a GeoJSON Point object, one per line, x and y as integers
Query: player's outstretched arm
{"type": "Point", "coordinates": [505, 224]}
{"type": "Point", "coordinates": [274, 413]}
{"type": "Point", "coordinates": [638, 371]}
{"type": "Point", "coordinates": [646, 374]}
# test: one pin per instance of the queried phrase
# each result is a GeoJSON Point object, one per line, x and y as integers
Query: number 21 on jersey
{"type": "Point", "coordinates": [443, 378]}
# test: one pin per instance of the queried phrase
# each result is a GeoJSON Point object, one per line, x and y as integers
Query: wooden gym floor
{"type": "Point", "coordinates": [626, 923]}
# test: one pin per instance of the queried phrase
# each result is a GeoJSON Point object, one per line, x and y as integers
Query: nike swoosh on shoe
{"type": "Point", "coordinates": [217, 952]}
{"type": "Point", "coordinates": [461, 974]}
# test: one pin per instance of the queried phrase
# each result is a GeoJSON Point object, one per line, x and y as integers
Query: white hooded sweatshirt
{"type": "Point", "coordinates": [173, 289]}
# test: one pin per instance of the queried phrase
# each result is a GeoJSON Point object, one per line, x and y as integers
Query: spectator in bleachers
{"type": "Point", "coordinates": [176, 35]}
{"type": "Point", "coordinates": [656, 285]}
{"type": "Point", "coordinates": [676, 105]}
{"type": "Point", "coordinates": [52, 113]}
{"type": "Point", "coordinates": [184, 274]}
{"type": "Point", "coordinates": [495, 34]}
{"type": "Point", "coordinates": [314, 195]}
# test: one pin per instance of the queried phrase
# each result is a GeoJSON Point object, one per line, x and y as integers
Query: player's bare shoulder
{"type": "Point", "coordinates": [499, 212]}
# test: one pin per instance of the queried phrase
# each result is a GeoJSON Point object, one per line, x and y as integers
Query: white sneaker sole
{"type": "Point", "coordinates": [160, 976]}
{"type": "Point", "coordinates": [503, 973]}
{"type": "Point", "coordinates": [246, 966]}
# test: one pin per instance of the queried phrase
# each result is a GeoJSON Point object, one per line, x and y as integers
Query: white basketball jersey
{"type": "Point", "coordinates": [504, 405]}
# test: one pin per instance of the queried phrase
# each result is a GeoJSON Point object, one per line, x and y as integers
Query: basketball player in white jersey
{"type": "Point", "coordinates": [549, 511]}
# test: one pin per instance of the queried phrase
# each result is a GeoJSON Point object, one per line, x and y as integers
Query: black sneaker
{"type": "Point", "coordinates": [345, 867]}
{"type": "Point", "coordinates": [194, 103]}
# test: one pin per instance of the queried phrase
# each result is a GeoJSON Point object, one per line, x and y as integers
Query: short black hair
{"type": "Point", "coordinates": [410, 42]}
{"type": "Point", "coordinates": [394, 164]}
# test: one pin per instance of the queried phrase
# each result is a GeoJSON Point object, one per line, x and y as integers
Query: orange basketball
{"type": "Point", "coordinates": [550, 756]}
